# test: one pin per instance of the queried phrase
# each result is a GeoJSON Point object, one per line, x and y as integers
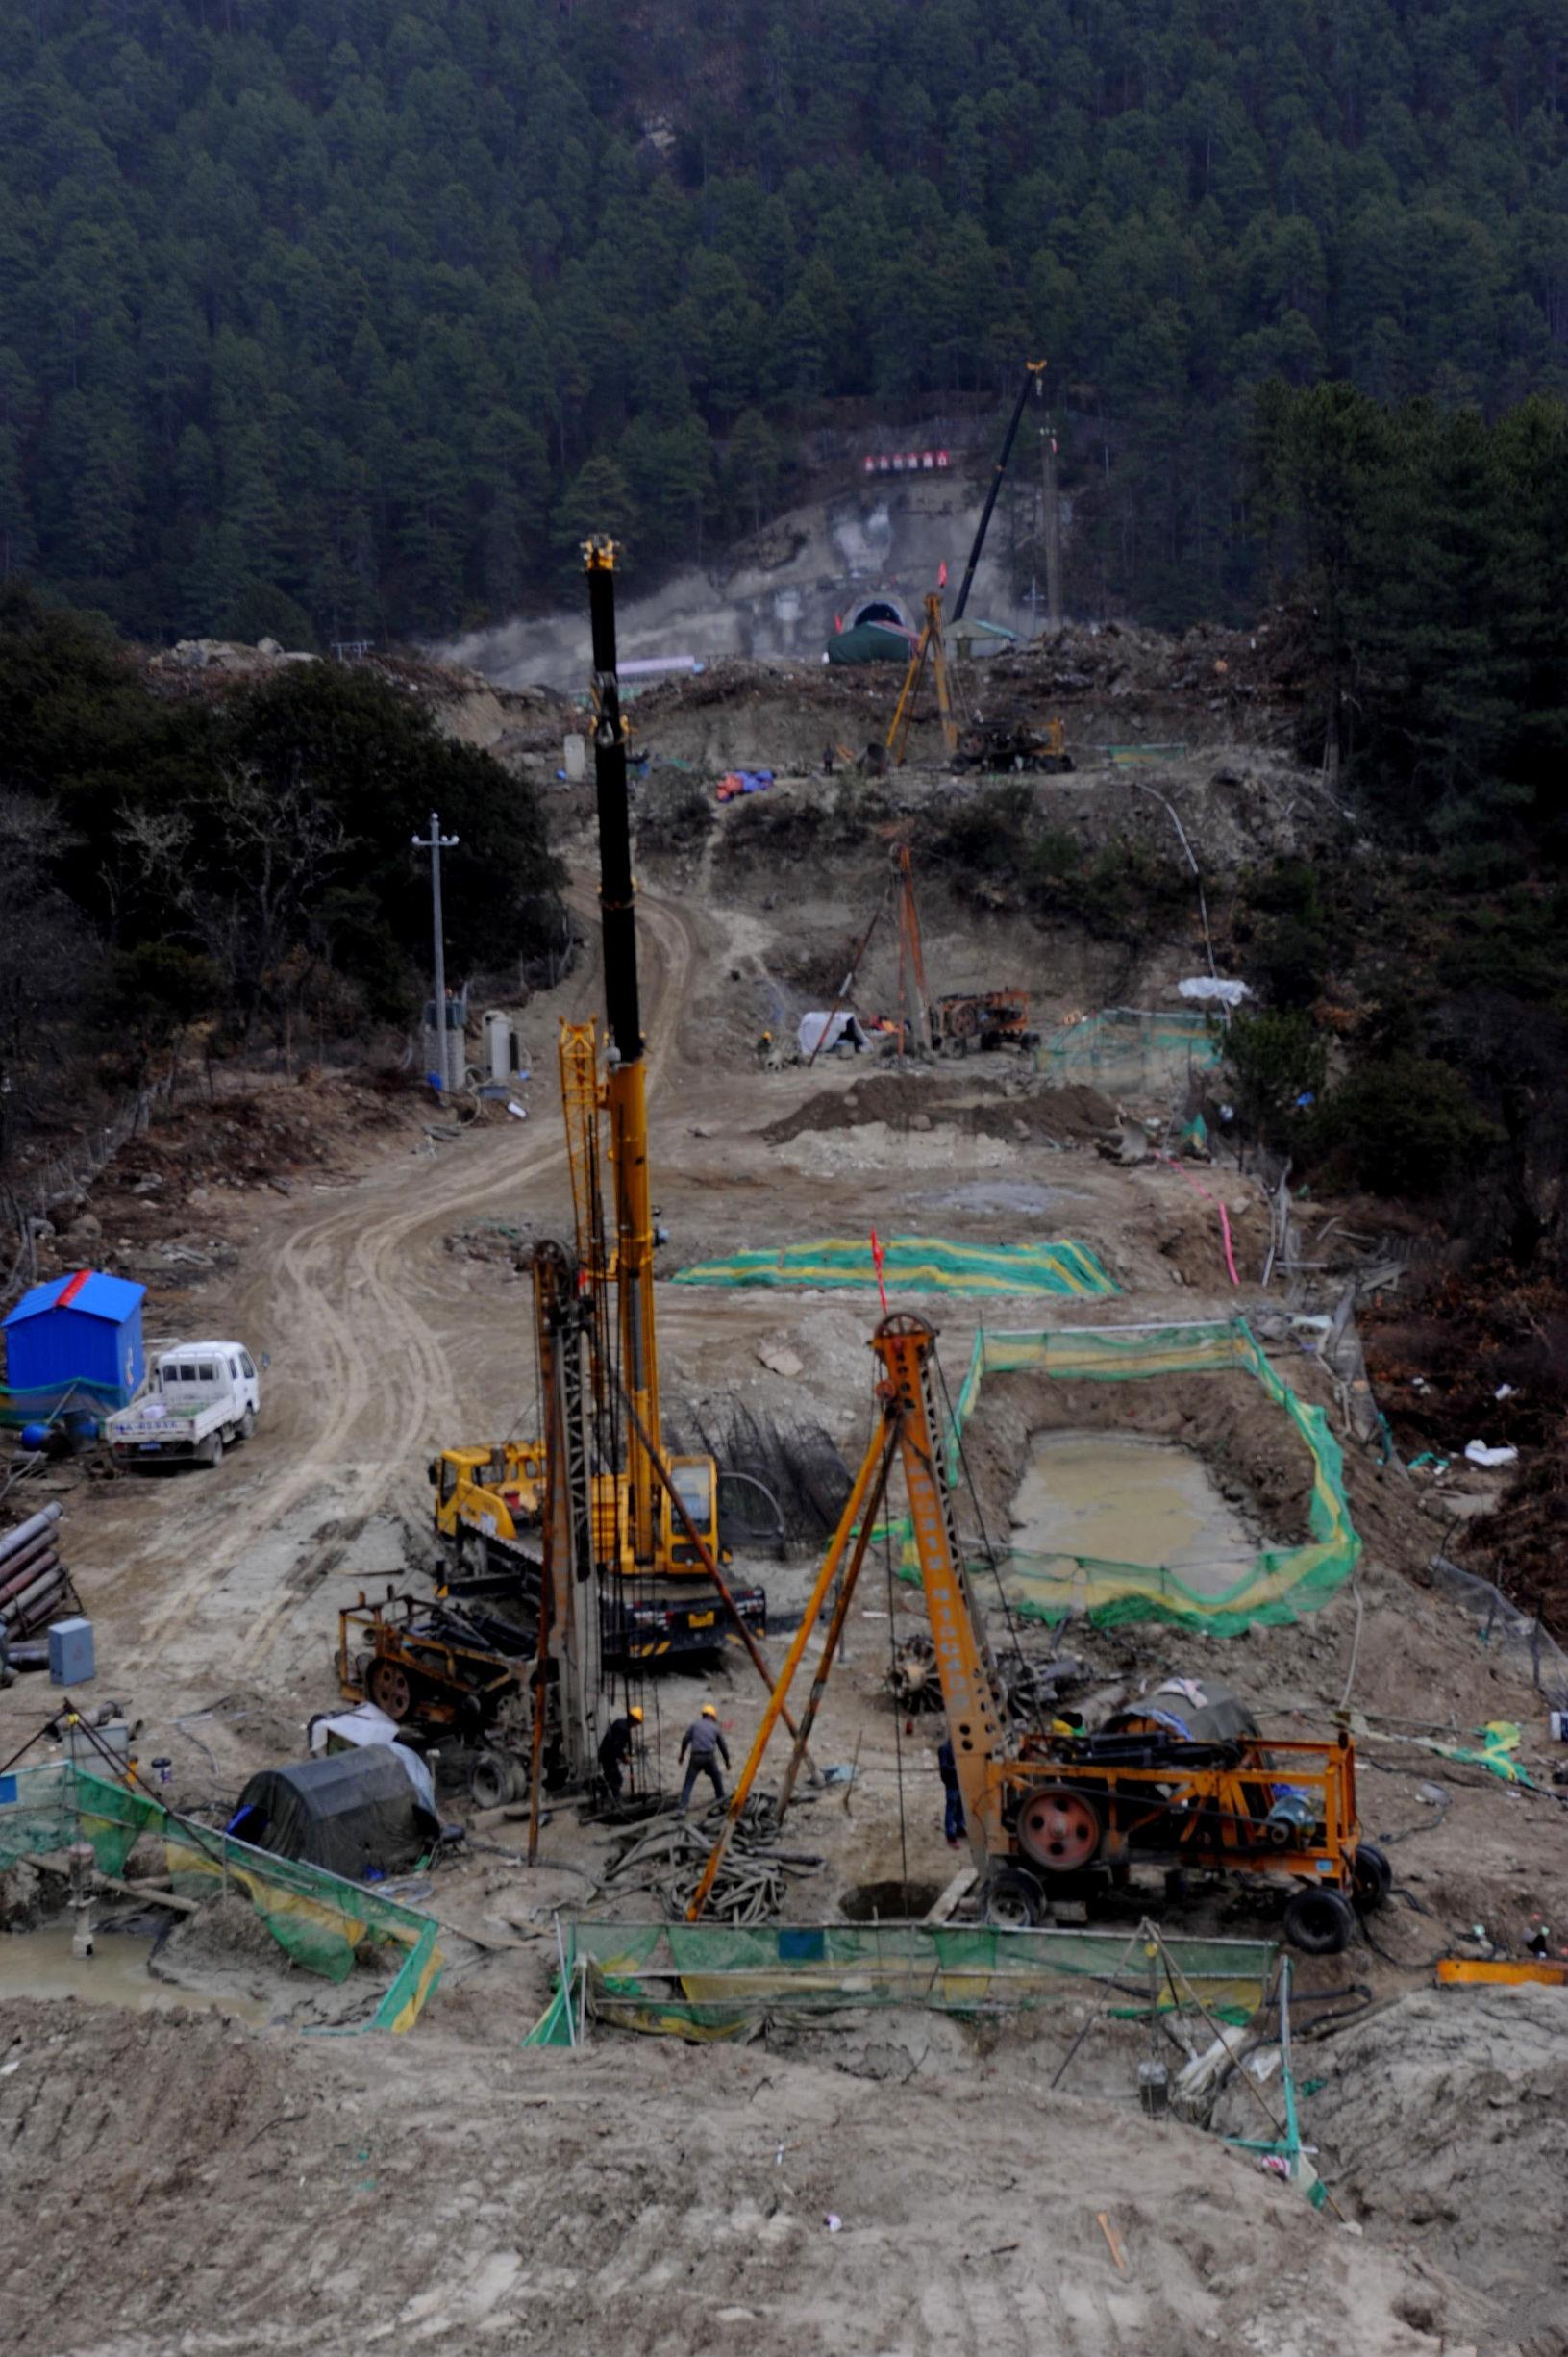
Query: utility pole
{"type": "Point", "coordinates": [1053, 527]}
{"type": "Point", "coordinates": [438, 843]}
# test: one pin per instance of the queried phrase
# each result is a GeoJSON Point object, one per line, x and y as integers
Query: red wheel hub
{"type": "Point", "coordinates": [1058, 1831]}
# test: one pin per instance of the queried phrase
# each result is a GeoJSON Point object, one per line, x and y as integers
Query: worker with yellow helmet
{"type": "Point", "coordinates": [618, 1738]}
{"type": "Point", "coordinates": [705, 1741]}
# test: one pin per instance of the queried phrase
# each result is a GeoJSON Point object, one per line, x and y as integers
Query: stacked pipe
{"type": "Point", "coordinates": [667, 1854]}
{"type": "Point", "coordinates": [32, 1579]}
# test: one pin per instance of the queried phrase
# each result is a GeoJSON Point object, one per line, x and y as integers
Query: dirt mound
{"type": "Point", "coordinates": [170, 1208]}
{"type": "Point", "coordinates": [1433, 2117]}
{"type": "Point", "coordinates": [433, 2191]}
{"type": "Point", "coordinates": [911, 1101]}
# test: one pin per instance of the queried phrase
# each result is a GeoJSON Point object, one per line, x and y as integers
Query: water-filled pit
{"type": "Point", "coordinates": [39, 1964]}
{"type": "Point", "coordinates": [1125, 1499]}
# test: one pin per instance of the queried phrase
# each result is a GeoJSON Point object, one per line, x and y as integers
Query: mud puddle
{"type": "Point", "coordinates": [1128, 1500]}
{"type": "Point", "coordinates": [39, 1964]}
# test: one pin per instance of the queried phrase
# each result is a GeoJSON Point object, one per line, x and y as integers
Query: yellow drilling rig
{"type": "Point", "coordinates": [647, 1528]}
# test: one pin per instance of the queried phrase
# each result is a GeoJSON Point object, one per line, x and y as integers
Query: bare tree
{"type": "Point", "coordinates": [246, 896]}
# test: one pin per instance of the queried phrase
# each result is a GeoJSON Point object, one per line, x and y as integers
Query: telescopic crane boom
{"type": "Point", "coordinates": [665, 1509]}
{"type": "Point", "coordinates": [626, 1089]}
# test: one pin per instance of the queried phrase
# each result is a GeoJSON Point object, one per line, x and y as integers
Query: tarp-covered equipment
{"type": "Point", "coordinates": [352, 1812]}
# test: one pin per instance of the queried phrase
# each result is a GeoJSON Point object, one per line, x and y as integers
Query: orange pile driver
{"type": "Point", "coordinates": [1051, 1814]}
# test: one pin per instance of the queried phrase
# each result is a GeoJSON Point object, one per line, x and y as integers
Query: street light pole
{"type": "Point", "coordinates": [436, 843]}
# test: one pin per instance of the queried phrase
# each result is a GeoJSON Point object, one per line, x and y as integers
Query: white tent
{"type": "Point", "coordinates": [830, 1030]}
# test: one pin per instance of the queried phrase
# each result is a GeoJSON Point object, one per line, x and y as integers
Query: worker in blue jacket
{"type": "Point", "coordinates": [948, 1766]}
{"type": "Point", "coordinates": [705, 1741]}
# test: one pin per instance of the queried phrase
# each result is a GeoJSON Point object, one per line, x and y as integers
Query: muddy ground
{"type": "Point", "coordinates": [226, 2191]}
{"type": "Point", "coordinates": [218, 2187]}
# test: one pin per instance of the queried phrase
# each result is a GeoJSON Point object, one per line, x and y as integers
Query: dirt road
{"type": "Point", "coordinates": [377, 1357]}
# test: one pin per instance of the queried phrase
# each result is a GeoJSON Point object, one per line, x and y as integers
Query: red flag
{"type": "Point", "coordinates": [877, 1258]}
{"type": "Point", "coordinates": [941, 578]}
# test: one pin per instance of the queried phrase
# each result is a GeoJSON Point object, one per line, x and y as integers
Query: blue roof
{"type": "Point", "coordinates": [96, 1295]}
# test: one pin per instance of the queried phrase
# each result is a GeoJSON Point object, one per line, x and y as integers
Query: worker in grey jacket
{"type": "Point", "coordinates": [704, 1740]}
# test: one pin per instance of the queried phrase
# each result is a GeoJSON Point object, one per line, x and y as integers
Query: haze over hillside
{"type": "Point", "coordinates": [348, 318]}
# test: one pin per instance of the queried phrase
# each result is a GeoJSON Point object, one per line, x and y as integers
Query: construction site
{"type": "Point", "coordinates": [803, 1699]}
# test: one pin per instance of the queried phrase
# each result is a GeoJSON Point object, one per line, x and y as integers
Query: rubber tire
{"type": "Point", "coordinates": [492, 1780]}
{"type": "Point", "coordinates": [210, 1451]}
{"type": "Point", "coordinates": [1017, 1892]}
{"type": "Point", "coordinates": [247, 1423]}
{"type": "Point", "coordinates": [1372, 1877]}
{"type": "Point", "coordinates": [1319, 1922]}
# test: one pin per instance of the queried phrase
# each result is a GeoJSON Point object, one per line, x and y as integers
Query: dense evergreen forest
{"type": "Point", "coordinates": [332, 317]}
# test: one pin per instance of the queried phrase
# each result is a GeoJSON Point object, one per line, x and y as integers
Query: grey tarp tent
{"type": "Point", "coordinates": [352, 1812]}
{"type": "Point", "coordinates": [1198, 1710]}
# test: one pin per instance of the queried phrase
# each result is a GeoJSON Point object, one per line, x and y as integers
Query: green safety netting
{"type": "Point", "coordinates": [711, 1980]}
{"type": "Point", "coordinates": [1122, 1049]}
{"type": "Point", "coordinates": [915, 1264]}
{"type": "Point", "coordinates": [1279, 1585]}
{"type": "Point", "coordinates": [317, 1918]}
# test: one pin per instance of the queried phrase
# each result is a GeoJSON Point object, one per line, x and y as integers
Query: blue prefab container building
{"type": "Point", "coordinates": [81, 1332]}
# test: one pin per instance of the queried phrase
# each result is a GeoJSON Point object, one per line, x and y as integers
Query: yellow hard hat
{"type": "Point", "coordinates": [709, 1710]}
{"type": "Point", "coordinates": [635, 1712]}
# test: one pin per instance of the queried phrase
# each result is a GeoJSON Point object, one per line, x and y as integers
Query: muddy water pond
{"type": "Point", "coordinates": [1128, 1499]}
{"type": "Point", "coordinates": [39, 1964]}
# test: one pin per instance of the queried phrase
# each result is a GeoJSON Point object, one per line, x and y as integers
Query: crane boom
{"type": "Point", "coordinates": [626, 1091]}
{"type": "Point", "coordinates": [1033, 373]}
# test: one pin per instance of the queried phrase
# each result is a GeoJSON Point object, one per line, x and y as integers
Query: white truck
{"type": "Point", "coordinates": [198, 1398]}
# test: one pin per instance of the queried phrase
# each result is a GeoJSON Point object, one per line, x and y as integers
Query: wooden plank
{"type": "Point", "coordinates": [151, 1890]}
{"type": "Point", "coordinates": [963, 1883]}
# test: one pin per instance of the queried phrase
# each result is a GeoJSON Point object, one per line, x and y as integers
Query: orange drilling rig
{"type": "Point", "coordinates": [1052, 1814]}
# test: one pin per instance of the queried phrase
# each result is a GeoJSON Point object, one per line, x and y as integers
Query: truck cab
{"type": "Point", "coordinates": [696, 1484]}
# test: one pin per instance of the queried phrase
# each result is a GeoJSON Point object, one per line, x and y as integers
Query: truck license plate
{"type": "Point", "coordinates": [150, 1448]}
{"type": "Point", "coordinates": [700, 1620]}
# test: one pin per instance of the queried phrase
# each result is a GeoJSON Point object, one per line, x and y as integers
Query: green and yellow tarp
{"type": "Point", "coordinates": [712, 1981]}
{"type": "Point", "coordinates": [913, 1265]}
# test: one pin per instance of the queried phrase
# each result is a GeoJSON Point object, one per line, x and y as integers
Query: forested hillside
{"type": "Point", "coordinates": [340, 315]}
{"type": "Point", "coordinates": [232, 866]}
